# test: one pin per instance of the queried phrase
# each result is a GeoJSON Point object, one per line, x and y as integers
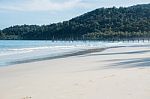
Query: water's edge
{"type": "Point", "coordinates": [18, 52]}
{"type": "Point", "coordinates": [78, 53]}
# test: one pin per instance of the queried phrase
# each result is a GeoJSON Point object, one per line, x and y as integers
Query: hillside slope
{"type": "Point", "coordinates": [102, 23]}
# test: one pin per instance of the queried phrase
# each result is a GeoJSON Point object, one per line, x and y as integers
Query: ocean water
{"type": "Point", "coordinates": [12, 51]}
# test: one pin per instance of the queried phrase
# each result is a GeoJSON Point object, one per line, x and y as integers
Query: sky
{"type": "Point", "coordinates": [42, 12]}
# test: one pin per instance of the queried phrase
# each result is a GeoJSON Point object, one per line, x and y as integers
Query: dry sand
{"type": "Point", "coordinates": [116, 73]}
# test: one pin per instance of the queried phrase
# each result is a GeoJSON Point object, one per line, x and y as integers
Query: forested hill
{"type": "Point", "coordinates": [102, 24]}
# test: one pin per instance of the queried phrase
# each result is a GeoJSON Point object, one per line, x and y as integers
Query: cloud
{"type": "Point", "coordinates": [42, 5]}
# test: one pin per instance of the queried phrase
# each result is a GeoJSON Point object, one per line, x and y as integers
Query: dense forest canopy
{"type": "Point", "coordinates": [101, 24]}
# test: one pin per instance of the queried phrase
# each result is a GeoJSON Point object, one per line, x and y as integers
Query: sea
{"type": "Point", "coordinates": [21, 51]}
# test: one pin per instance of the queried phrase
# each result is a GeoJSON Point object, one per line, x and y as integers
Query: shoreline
{"type": "Point", "coordinates": [68, 54]}
{"type": "Point", "coordinates": [42, 55]}
{"type": "Point", "coordinates": [81, 52]}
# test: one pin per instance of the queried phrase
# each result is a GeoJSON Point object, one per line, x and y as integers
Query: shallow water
{"type": "Point", "coordinates": [12, 51]}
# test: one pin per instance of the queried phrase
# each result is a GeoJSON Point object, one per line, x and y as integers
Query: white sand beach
{"type": "Point", "coordinates": [115, 73]}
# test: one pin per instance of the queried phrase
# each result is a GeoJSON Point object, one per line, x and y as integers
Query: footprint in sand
{"type": "Point", "coordinates": [27, 97]}
{"type": "Point", "coordinates": [91, 81]}
{"type": "Point", "coordinates": [76, 84]}
{"type": "Point", "coordinates": [109, 76]}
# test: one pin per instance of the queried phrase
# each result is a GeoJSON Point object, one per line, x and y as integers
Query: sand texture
{"type": "Point", "coordinates": [115, 73]}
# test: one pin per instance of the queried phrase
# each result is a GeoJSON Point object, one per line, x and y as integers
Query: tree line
{"type": "Point", "coordinates": [100, 24]}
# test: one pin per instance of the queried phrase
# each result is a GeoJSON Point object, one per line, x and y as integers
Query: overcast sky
{"type": "Point", "coordinates": [13, 12]}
